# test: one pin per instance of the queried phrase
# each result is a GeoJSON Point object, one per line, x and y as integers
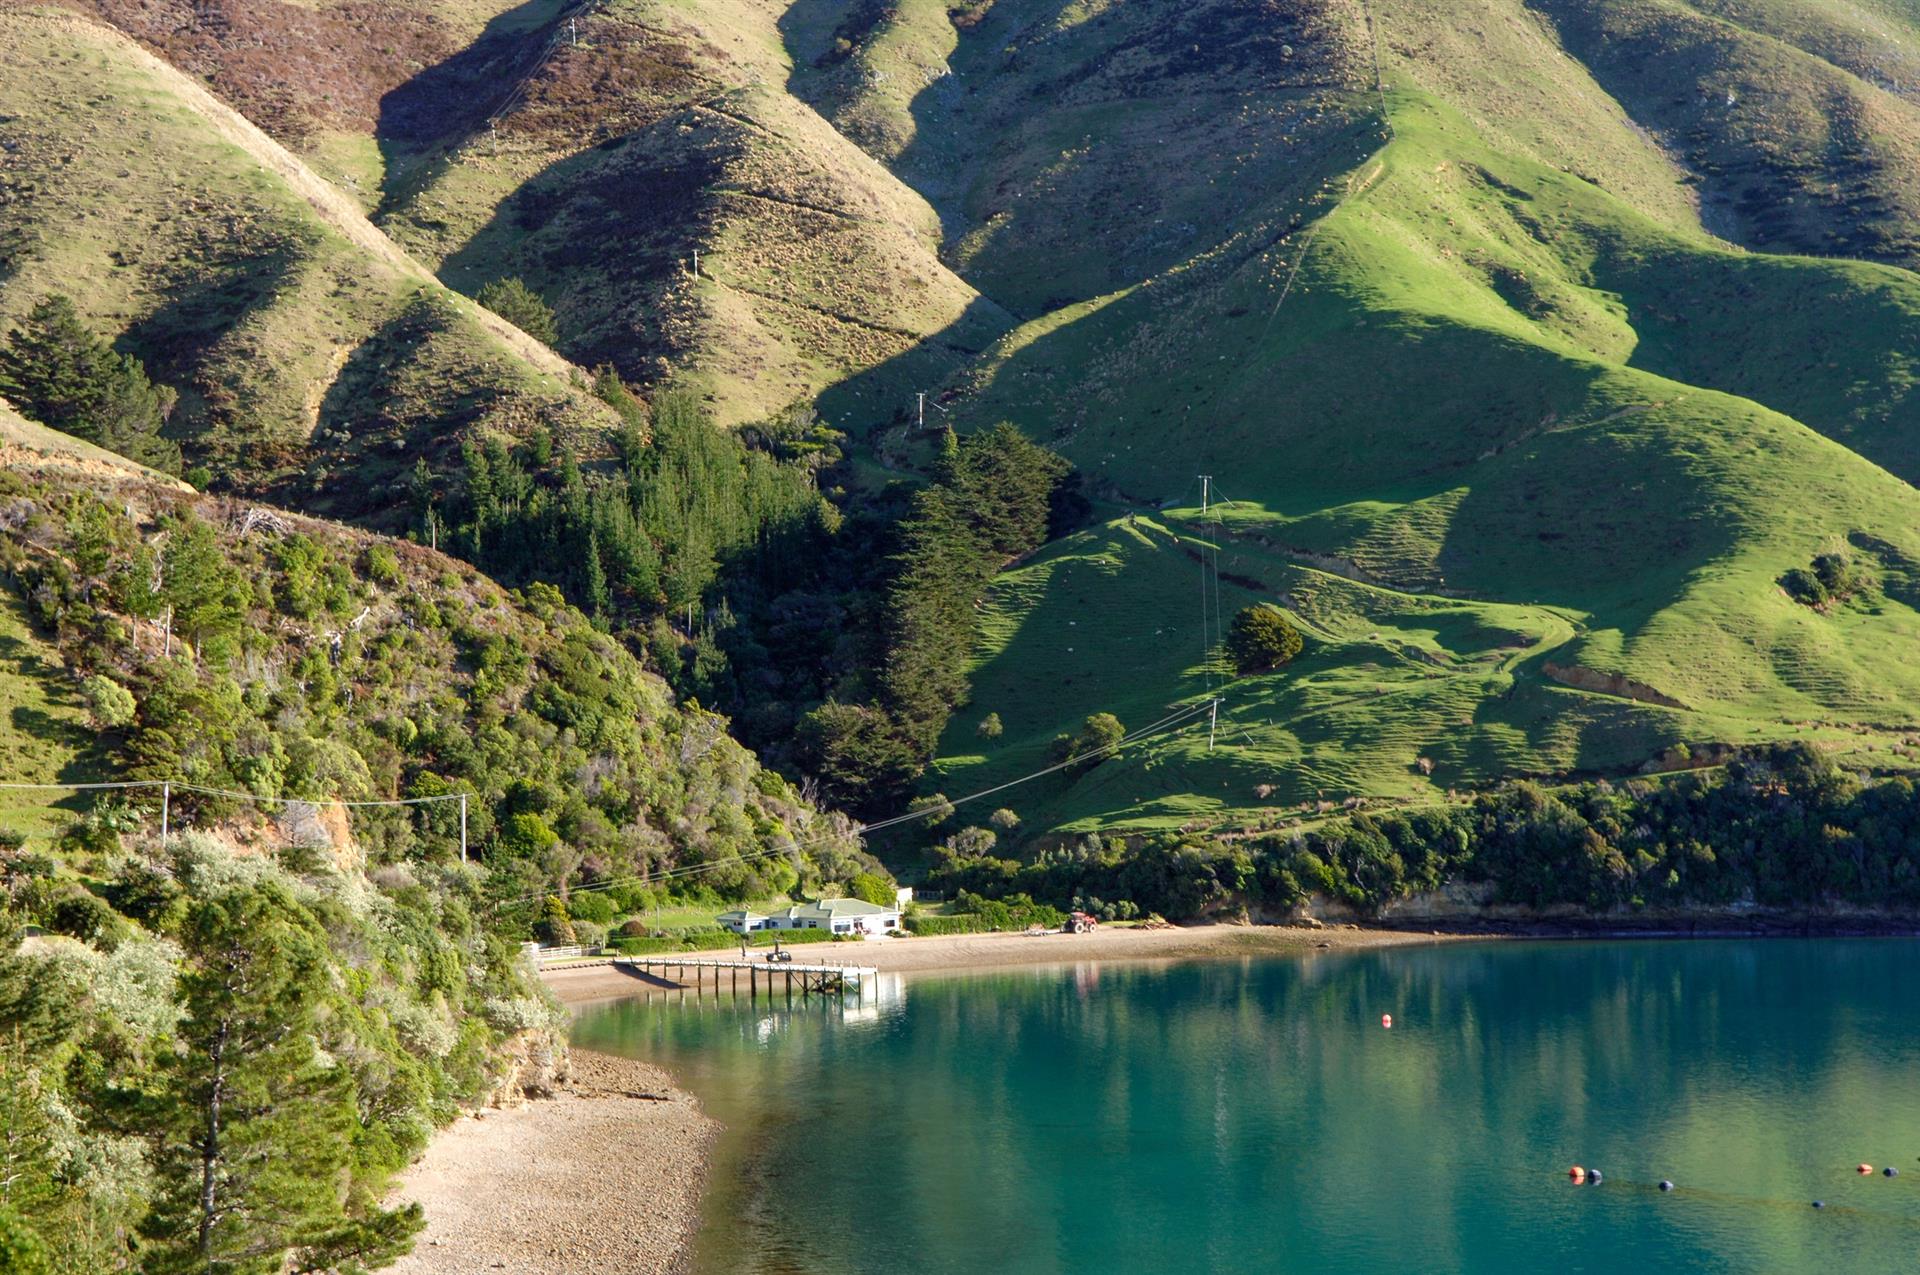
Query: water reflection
{"type": "Point", "coordinates": [1254, 1115]}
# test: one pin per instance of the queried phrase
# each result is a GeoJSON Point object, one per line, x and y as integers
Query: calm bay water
{"type": "Point", "coordinates": [1255, 1116]}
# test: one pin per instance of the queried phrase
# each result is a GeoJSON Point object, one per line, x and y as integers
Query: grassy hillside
{"type": "Point", "coordinates": [1501, 438]}
{"type": "Point", "coordinates": [655, 137]}
{"type": "Point", "coordinates": [1534, 344]}
{"type": "Point", "coordinates": [314, 359]}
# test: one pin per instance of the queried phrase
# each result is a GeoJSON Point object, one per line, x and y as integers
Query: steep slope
{"type": "Point", "coordinates": [1111, 141]}
{"type": "Point", "coordinates": [1450, 400]}
{"type": "Point", "coordinates": [654, 139]}
{"type": "Point", "coordinates": [314, 358]}
{"type": "Point", "coordinates": [289, 657]}
{"type": "Point", "coordinates": [1795, 153]}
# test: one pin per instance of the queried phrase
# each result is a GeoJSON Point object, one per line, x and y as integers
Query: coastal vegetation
{"type": "Point", "coordinates": [617, 464]}
{"type": "Point", "coordinates": [1782, 828]}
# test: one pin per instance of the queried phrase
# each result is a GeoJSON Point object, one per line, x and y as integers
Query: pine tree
{"type": "Point", "coordinates": [598, 599]}
{"type": "Point", "coordinates": [57, 371]}
{"type": "Point", "coordinates": [207, 595]}
{"type": "Point", "coordinates": [521, 306]}
{"type": "Point", "coordinates": [254, 1140]}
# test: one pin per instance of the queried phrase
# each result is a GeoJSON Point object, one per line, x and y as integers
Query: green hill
{"type": "Point", "coordinates": [1534, 346]}
{"type": "Point", "coordinates": [314, 359]}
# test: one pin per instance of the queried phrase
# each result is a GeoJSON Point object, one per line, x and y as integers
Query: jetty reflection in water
{"type": "Point", "coordinates": [1256, 1116]}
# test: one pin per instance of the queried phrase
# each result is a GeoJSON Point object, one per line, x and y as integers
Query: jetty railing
{"type": "Point", "coordinates": [752, 978]}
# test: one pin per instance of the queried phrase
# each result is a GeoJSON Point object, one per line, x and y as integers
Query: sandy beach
{"type": "Point", "coordinates": [963, 952]}
{"type": "Point", "coordinates": [605, 1176]}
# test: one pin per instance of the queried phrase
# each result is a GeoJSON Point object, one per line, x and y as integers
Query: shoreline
{"type": "Point", "coordinates": [609, 1173]}
{"type": "Point", "coordinates": [585, 984]}
{"type": "Point", "coordinates": [606, 1175]}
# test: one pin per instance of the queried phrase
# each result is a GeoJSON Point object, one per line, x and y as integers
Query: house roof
{"type": "Point", "coordinates": [741, 916]}
{"type": "Point", "coordinates": [836, 910]}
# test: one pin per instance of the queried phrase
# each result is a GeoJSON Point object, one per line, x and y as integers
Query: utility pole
{"type": "Point", "coordinates": [166, 809]}
{"type": "Point", "coordinates": [1213, 721]}
{"type": "Point", "coordinates": [463, 827]}
{"type": "Point", "coordinates": [923, 412]}
{"type": "Point", "coordinates": [573, 32]}
{"type": "Point", "coordinates": [696, 263]}
{"type": "Point", "coordinates": [1206, 489]}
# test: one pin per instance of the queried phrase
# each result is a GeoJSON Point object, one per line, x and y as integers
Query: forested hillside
{"type": "Point", "coordinates": [1270, 450]}
{"type": "Point", "coordinates": [341, 968]}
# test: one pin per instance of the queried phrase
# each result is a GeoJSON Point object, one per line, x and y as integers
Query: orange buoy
{"type": "Point", "coordinates": [1577, 1174]}
{"type": "Point", "coordinates": [1386, 1020]}
{"type": "Point", "coordinates": [1863, 1168]}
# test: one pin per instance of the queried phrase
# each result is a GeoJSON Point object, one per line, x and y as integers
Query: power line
{"type": "Point", "coordinates": [178, 786]}
{"type": "Point", "coordinates": [167, 788]}
{"type": "Point", "coordinates": [1180, 719]}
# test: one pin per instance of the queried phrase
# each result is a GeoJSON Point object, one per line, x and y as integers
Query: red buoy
{"type": "Point", "coordinates": [1863, 1168]}
{"type": "Point", "coordinates": [1577, 1174]}
{"type": "Point", "coordinates": [1386, 1020]}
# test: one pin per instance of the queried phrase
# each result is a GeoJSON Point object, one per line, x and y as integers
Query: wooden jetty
{"type": "Point", "coordinates": [752, 978]}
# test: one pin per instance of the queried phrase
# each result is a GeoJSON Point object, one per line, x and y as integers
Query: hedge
{"type": "Point", "coordinates": [963, 924]}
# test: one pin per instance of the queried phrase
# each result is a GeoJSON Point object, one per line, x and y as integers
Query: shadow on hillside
{"type": "Point", "coordinates": [603, 235]}
{"type": "Point", "coordinates": [88, 747]}
{"type": "Point", "coordinates": [423, 120]}
{"type": "Point", "coordinates": [181, 341]}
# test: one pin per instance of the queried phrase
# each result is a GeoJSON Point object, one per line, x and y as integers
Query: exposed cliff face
{"type": "Point", "coordinates": [1587, 679]}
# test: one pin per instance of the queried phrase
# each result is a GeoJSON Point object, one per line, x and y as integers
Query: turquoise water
{"type": "Point", "coordinates": [1255, 1115]}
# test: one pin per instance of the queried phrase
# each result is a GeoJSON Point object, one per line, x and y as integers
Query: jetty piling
{"type": "Point", "coordinates": [763, 977]}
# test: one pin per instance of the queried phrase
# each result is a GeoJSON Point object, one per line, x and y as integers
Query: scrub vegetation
{"type": "Point", "coordinates": [1338, 449]}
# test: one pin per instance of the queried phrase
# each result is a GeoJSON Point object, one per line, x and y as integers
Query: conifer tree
{"type": "Point", "coordinates": [207, 595]}
{"type": "Point", "coordinates": [521, 306]}
{"type": "Point", "coordinates": [57, 371]}
{"type": "Point", "coordinates": [255, 1123]}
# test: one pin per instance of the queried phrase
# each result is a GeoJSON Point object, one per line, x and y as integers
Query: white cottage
{"type": "Point", "coordinates": [839, 916]}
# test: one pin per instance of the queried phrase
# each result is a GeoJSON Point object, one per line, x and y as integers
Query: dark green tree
{"type": "Point", "coordinates": [1261, 637]}
{"type": "Point", "coordinates": [207, 594]}
{"type": "Point", "coordinates": [521, 306]}
{"type": "Point", "coordinates": [254, 1124]}
{"type": "Point", "coordinates": [57, 371]}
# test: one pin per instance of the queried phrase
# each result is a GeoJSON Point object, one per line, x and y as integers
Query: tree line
{"type": "Point", "coordinates": [1781, 827]}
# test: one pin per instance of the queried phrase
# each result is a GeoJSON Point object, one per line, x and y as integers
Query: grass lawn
{"type": "Point", "coordinates": [44, 733]}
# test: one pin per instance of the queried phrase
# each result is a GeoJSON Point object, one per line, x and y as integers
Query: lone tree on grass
{"type": "Point", "coordinates": [521, 306]}
{"type": "Point", "coordinates": [1095, 741]}
{"type": "Point", "coordinates": [1261, 637]}
{"type": "Point", "coordinates": [57, 371]}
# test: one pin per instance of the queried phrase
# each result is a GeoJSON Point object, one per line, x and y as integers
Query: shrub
{"type": "Point", "coordinates": [21, 1252]}
{"type": "Point", "coordinates": [990, 727]}
{"type": "Point", "coordinates": [594, 906]}
{"type": "Point", "coordinates": [1831, 579]}
{"type": "Point", "coordinates": [1098, 736]}
{"type": "Point", "coordinates": [1262, 637]}
{"type": "Point", "coordinates": [554, 926]}
{"type": "Point", "coordinates": [934, 806]}
{"type": "Point", "coordinates": [933, 926]}
{"type": "Point", "coordinates": [381, 565]}
{"type": "Point", "coordinates": [871, 887]}
{"type": "Point", "coordinates": [521, 306]}
{"type": "Point", "coordinates": [110, 704]}
{"type": "Point", "coordinates": [88, 918]}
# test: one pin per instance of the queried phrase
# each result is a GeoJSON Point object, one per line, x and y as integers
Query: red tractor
{"type": "Point", "coordinates": [1080, 923]}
